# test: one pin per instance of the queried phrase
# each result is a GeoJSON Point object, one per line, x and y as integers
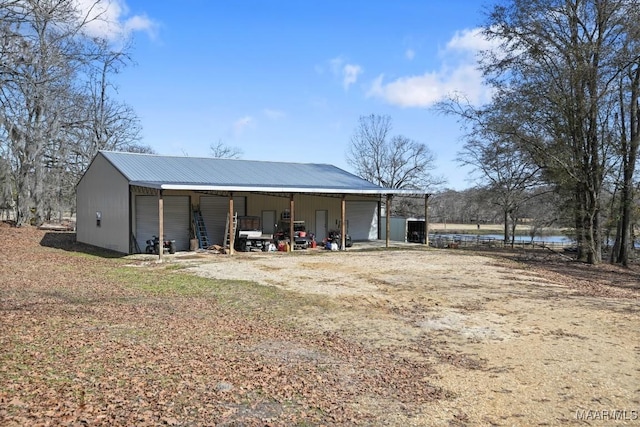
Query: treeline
{"type": "Point", "coordinates": [565, 113]}
{"type": "Point", "coordinates": [57, 104]}
{"type": "Point", "coordinates": [541, 209]}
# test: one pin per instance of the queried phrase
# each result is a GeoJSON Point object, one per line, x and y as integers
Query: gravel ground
{"type": "Point", "coordinates": [514, 343]}
{"type": "Point", "coordinates": [399, 337]}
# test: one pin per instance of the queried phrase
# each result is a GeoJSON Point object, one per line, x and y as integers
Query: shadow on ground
{"type": "Point", "coordinates": [613, 275]}
{"type": "Point", "coordinates": [67, 241]}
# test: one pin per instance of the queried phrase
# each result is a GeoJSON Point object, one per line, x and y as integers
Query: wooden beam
{"type": "Point", "coordinates": [231, 230]}
{"type": "Point", "coordinates": [426, 219]}
{"type": "Point", "coordinates": [292, 240]}
{"type": "Point", "coordinates": [343, 222]}
{"type": "Point", "coordinates": [160, 226]}
{"type": "Point", "coordinates": [388, 213]}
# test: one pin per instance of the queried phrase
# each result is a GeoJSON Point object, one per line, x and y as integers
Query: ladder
{"type": "Point", "coordinates": [133, 244]}
{"type": "Point", "coordinates": [201, 229]}
{"type": "Point", "coordinates": [227, 241]}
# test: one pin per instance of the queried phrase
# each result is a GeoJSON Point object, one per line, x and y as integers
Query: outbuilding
{"type": "Point", "coordinates": [123, 199]}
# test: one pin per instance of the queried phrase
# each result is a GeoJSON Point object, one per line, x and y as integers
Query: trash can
{"type": "Point", "coordinates": [193, 245]}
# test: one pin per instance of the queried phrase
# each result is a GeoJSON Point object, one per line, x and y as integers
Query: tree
{"type": "Point", "coordinates": [554, 76]}
{"type": "Point", "coordinates": [629, 143]}
{"type": "Point", "coordinates": [55, 111]}
{"type": "Point", "coordinates": [504, 172]}
{"type": "Point", "coordinates": [42, 55]}
{"type": "Point", "coordinates": [542, 210]}
{"type": "Point", "coordinates": [392, 162]}
{"type": "Point", "coordinates": [220, 150]}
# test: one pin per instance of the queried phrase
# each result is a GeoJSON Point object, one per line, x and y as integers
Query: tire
{"type": "Point", "coordinates": [172, 247]}
{"type": "Point", "coordinates": [156, 249]}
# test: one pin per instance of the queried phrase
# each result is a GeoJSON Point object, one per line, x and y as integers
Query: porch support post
{"type": "Point", "coordinates": [231, 230]}
{"type": "Point", "coordinates": [292, 236]}
{"type": "Point", "coordinates": [343, 222]}
{"type": "Point", "coordinates": [426, 219]}
{"type": "Point", "coordinates": [388, 224]}
{"type": "Point", "coordinates": [160, 226]}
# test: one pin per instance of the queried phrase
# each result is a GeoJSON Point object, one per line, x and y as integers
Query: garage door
{"type": "Point", "coordinates": [176, 220]}
{"type": "Point", "coordinates": [362, 220]}
{"type": "Point", "coordinates": [214, 213]}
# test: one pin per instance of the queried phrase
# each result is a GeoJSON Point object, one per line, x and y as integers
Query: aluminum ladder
{"type": "Point", "coordinates": [201, 230]}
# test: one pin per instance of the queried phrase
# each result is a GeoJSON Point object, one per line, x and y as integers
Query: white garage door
{"type": "Point", "coordinates": [362, 220]}
{"type": "Point", "coordinates": [177, 220]}
{"type": "Point", "coordinates": [214, 213]}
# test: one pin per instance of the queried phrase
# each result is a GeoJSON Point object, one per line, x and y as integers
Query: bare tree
{"type": "Point", "coordinates": [44, 55]}
{"type": "Point", "coordinates": [629, 143]}
{"type": "Point", "coordinates": [51, 122]}
{"type": "Point", "coordinates": [6, 188]}
{"type": "Point", "coordinates": [465, 207]}
{"type": "Point", "coordinates": [506, 173]}
{"type": "Point", "coordinates": [554, 76]}
{"type": "Point", "coordinates": [392, 162]}
{"type": "Point", "coordinates": [220, 150]}
{"type": "Point", "coordinates": [102, 123]}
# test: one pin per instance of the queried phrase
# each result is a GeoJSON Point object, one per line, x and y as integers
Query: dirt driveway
{"type": "Point", "coordinates": [511, 343]}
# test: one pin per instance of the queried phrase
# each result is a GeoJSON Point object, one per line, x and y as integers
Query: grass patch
{"type": "Point", "coordinates": [244, 298]}
{"type": "Point", "coordinates": [240, 295]}
{"type": "Point", "coordinates": [170, 280]}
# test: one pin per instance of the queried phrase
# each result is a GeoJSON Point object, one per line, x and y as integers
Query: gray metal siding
{"type": "Point", "coordinates": [362, 220]}
{"type": "Point", "coordinates": [398, 228]}
{"type": "Point", "coordinates": [177, 220]}
{"type": "Point", "coordinates": [103, 189]}
{"type": "Point", "coordinates": [214, 212]}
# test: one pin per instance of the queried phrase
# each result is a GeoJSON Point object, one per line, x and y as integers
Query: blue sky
{"type": "Point", "coordinates": [288, 80]}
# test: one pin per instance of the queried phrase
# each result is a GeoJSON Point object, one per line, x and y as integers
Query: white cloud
{"type": "Point", "coordinates": [348, 73]}
{"type": "Point", "coordinates": [457, 74]}
{"type": "Point", "coordinates": [109, 19]}
{"type": "Point", "coordinates": [431, 87]}
{"type": "Point", "coordinates": [274, 114]}
{"type": "Point", "coordinates": [410, 54]}
{"type": "Point", "coordinates": [241, 124]}
{"type": "Point", "coordinates": [336, 64]}
{"type": "Point", "coordinates": [470, 40]}
{"type": "Point", "coordinates": [140, 23]}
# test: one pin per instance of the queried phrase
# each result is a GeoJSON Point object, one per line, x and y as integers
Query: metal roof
{"type": "Point", "coordinates": [197, 173]}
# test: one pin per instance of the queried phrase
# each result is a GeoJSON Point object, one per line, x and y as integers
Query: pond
{"type": "Point", "coordinates": [446, 239]}
{"type": "Point", "coordinates": [551, 240]}
{"type": "Point", "coordinates": [527, 239]}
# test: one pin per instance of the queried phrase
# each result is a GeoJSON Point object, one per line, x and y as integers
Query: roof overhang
{"type": "Point", "coordinates": [265, 189]}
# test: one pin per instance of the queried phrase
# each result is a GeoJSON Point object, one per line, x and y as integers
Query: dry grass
{"type": "Point", "coordinates": [402, 337]}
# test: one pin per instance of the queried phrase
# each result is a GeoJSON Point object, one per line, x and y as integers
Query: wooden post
{"type": "Point", "coordinates": [426, 219]}
{"type": "Point", "coordinates": [388, 212]}
{"type": "Point", "coordinates": [231, 231]}
{"type": "Point", "coordinates": [292, 239]}
{"type": "Point", "coordinates": [343, 222]}
{"type": "Point", "coordinates": [160, 226]}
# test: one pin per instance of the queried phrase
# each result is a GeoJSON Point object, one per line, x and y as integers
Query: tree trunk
{"type": "Point", "coordinates": [624, 225]}
{"type": "Point", "coordinates": [629, 152]}
{"type": "Point", "coordinates": [506, 227]}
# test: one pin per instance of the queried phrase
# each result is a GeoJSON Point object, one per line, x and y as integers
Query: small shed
{"type": "Point", "coordinates": [123, 199]}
